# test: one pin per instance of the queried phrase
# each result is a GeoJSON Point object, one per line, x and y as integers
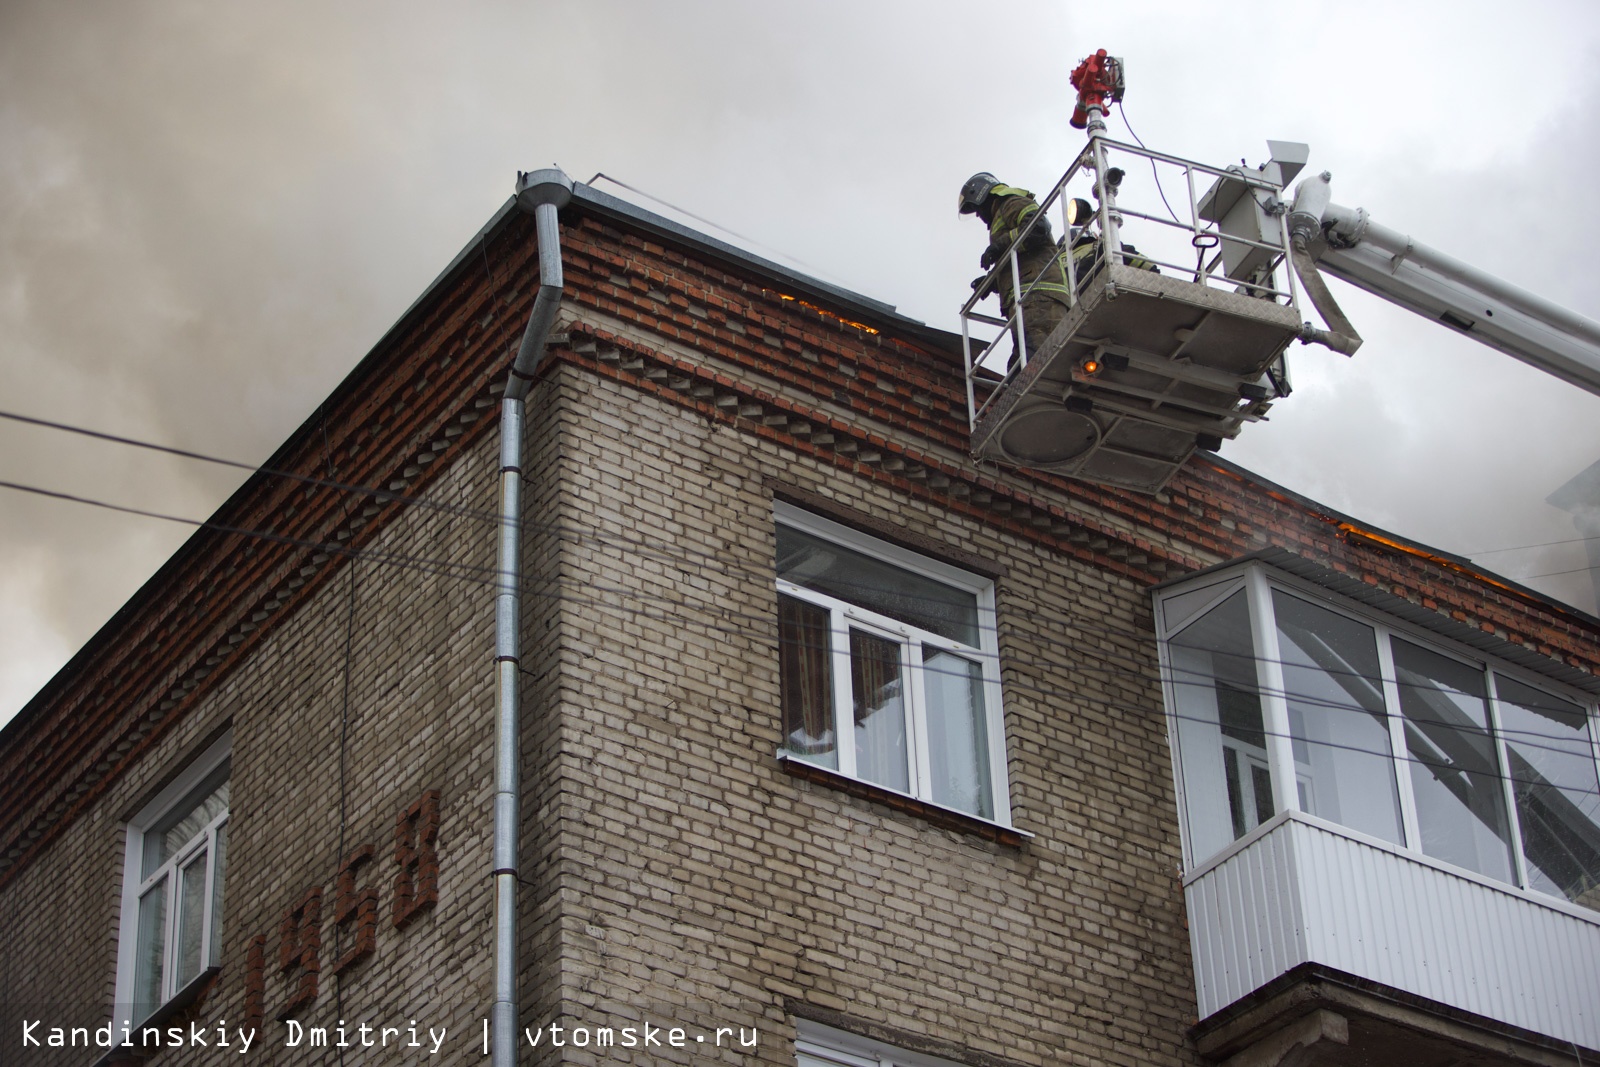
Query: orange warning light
{"type": "Point", "coordinates": [1090, 366]}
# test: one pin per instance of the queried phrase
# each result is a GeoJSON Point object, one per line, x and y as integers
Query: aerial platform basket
{"type": "Point", "coordinates": [1175, 365]}
{"type": "Point", "coordinates": [1147, 365]}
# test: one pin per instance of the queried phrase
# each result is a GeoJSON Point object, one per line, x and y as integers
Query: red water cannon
{"type": "Point", "coordinates": [1098, 80]}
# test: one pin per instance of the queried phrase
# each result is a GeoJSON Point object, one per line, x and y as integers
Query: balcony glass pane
{"type": "Point", "coordinates": [958, 735]}
{"type": "Point", "coordinates": [1177, 607]}
{"type": "Point", "coordinates": [805, 678]}
{"type": "Point", "coordinates": [1343, 758]}
{"type": "Point", "coordinates": [1222, 745]}
{"type": "Point", "coordinates": [878, 687]}
{"type": "Point", "coordinates": [1558, 796]}
{"type": "Point", "coordinates": [882, 587]}
{"type": "Point", "coordinates": [1455, 774]}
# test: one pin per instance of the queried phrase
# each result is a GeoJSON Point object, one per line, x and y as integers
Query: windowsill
{"type": "Point", "coordinates": [186, 998]}
{"type": "Point", "coordinates": [945, 818]}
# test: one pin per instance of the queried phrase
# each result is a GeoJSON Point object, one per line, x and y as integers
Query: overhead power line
{"type": "Point", "coordinates": [382, 495]}
{"type": "Point", "coordinates": [734, 622]}
{"type": "Point", "coordinates": [666, 549]}
{"type": "Point", "coordinates": [665, 552]}
{"type": "Point", "coordinates": [449, 568]}
{"type": "Point", "coordinates": [1525, 548]}
{"type": "Point", "coordinates": [820, 272]}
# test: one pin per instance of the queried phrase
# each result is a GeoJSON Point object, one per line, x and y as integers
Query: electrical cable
{"type": "Point", "coordinates": [666, 550]}
{"type": "Point", "coordinates": [1304, 700]}
{"type": "Point", "coordinates": [1551, 574]}
{"type": "Point", "coordinates": [1525, 548]}
{"type": "Point", "coordinates": [483, 244]}
{"type": "Point", "coordinates": [1153, 172]}
{"type": "Point", "coordinates": [443, 567]}
{"type": "Point", "coordinates": [485, 575]}
{"type": "Point", "coordinates": [709, 222]}
{"type": "Point", "coordinates": [1180, 677]}
{"type": "Point", "coordinates": [453, 569]}
{"type": "Point", "coordinates": [344, 752]}
{"type": "Point", "coordinates": [663, 551]}
{"type": "Point", "coordinates": [382, 495]}
{"type": "Point", "coordinates": [1142, 678]}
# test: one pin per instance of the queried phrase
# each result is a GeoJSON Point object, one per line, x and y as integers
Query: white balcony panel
{"type": "Point", "coordinates": [1303, 892]}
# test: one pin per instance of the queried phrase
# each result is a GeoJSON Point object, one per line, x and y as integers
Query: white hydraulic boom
{"type": "Point", "coordinates": [1179, 346]}
{"type": "Point", "coordinates": [1347, 244]}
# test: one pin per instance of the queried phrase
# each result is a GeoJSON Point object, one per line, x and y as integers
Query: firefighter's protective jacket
{"type": "Point", "coordinates": [1038, 258]}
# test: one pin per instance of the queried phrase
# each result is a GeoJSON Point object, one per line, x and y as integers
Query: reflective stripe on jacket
{"type": "Point", "coordinates": [1039, 257]}
{"type": "Point", "coordinates": [1086, 258]}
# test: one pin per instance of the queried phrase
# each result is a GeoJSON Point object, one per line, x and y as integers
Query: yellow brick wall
{"type": "Point", "coordinates": [706, 884]}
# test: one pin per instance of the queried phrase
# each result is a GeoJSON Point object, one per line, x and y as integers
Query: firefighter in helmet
{"type": "Point", "coordinates": [1007, 210]}
{"type": "Point", "coordinates": [1041, 261]}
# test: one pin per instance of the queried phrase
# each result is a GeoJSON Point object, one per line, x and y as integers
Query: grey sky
{"type": "Point", "coordinates": [208, 213]}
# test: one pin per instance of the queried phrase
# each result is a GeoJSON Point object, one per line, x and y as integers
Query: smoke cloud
{"type": "Point", "coordinates": [208, 213]}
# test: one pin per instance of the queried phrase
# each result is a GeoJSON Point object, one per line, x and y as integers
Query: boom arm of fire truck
{"type": "Point", "coordinates": [1347, 244]}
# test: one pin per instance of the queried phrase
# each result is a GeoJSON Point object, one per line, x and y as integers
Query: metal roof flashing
{"type": "Point", "coordinates": [590, 198]}
{"type": "Point", "coordinates": [586, 197]}
{"type": "Point", "coordinates": [665, 227]}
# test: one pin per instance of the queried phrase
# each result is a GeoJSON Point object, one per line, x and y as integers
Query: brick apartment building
{"type": "Point", "coordinates": [1132, 779]}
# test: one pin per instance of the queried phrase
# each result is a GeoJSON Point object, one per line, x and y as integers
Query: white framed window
{"type": "Point", "coordinates": [172, 887]}
{"type": "Point", "coordinates": [1284, 696]}
{"type": "Point", "coordinates": [889, 666]}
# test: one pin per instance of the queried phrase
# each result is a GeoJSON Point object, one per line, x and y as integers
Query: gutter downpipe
{"type": "Point", "coordinates": [543, 193]}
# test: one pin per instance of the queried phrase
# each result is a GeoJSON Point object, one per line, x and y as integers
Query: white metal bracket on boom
{"type": "Point", "coordinates": [1347, 244]}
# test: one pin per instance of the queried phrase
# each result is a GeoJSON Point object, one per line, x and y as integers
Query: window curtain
{"type": "Point", "coordinates": [806, 680]}
{"type": "Point", "coordinates": [958, 735]}
{"type": "Point", "coordinates": [880, 714]}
